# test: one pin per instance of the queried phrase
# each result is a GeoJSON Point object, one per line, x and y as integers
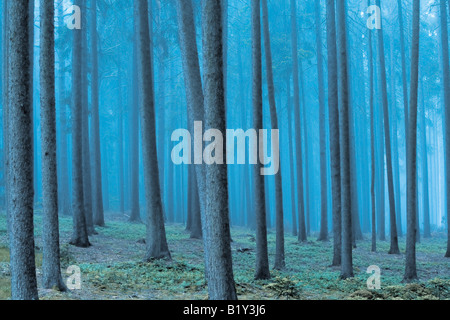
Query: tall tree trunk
{"type": "Point", "coordinates": [397, 190]}
{"type": "Point", "coordinates": [334, 131]}
{"type": "Point", "coordinates": [156, 242]}
{"type": "Point", "coordinates": [86, 150]}
{"type": "Point", "coordinates": [51, 269]}
{"type": "Point", "coordinates": [446, 76]}
{"type": "Point", "coordinates": [5, 101]}
{"type": "Point", "coordinates": [215, 221]}
{"type": "Point", "coordinates": [80, 233]}
{"type": "Point", "coordinates": [120, 110]}
{"type": "Point", "coordinates": [410, 265]}
{"type": "Point", "coordinates": [134, 140]}
{"type": "Point", "coordinates": [20, 148]}
{"type": "Point", "coordinates": [291, 157]}
{"type": "Point", "coordinates": [390, 176]}
{"type": "Point", "coordinates": [298, 135]}
{"type": "Point", "coordinates": [262, 256]}
{"type": "Point", "coordinates": [196, 222]}
{"type": "Point", "coordinates": [347, 265]}
{"type": "Point", "coordinates": [424, 167]}
{"type": "Point", "coordinates": [98, 214]}
{"type": "Point", "coordinates": [323, 236]}
{"type": "Point", "coordinates": [372, 140]}
{"type": "Point", "coordinates": [403, 56]}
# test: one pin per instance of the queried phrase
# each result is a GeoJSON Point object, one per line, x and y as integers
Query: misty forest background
{"type": "Point", "coordinates": [86, 176]}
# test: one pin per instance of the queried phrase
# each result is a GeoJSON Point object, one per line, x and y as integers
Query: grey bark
{"type": "Point", "coordinates": [193, 81]}
{"type": "Point", "coordinates": [156, 242]}
{"type": "Point", "coordinates": [134, 140]}
{"type": "Point", "coordinates": [86, 150]}
{"type": "Point", "coordinates": [98, 214]}
{"type": "Point", "coordinates": [334, 131]}
{"type": "Point", "coordinates": [215, 221]}
{"type": "Point", "coordinates": [298, 135]}
{"type": "Point", "coordinates": [51, 270]}
{"type": "Point", "coordinates": [323, 236]}
{"type": "Point", "coordinates": [387, 137]}
{"type": "Point", "coordinates": [344, 103]}
{"type": "Point", "coordinates": [262, 256]}
{"type": "Point", "coordinates": [20, 148]}
{"type": "Point", "coordinates": [80, 234]}
{"type": "Point", "coordinates": [446, 77]}
{"type": "Point", "coordinates": [410, 265]}
{"type": "Point", "coordinates": [372, 141]}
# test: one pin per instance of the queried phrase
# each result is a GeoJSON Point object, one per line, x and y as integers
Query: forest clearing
{"type": "Point", "coordinates": [112, 268]}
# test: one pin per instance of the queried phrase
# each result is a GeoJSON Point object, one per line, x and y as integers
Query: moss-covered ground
{"type": "Point", "coordinates": [113, 267]}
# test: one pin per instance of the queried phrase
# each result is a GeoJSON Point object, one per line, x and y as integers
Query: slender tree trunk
{"type": "Point", "coordinates": [334, 131]}
{"type": "Point", "coordinates": [80, 234]}
{"type": "Point", "coordinates": [156, 242]}
{"type": "Point", "coordinates": [98, 214]}
{"type": "Point", "coordinates": [410, 268]}
{"type": "Point", "coordinates": [323, 236]}
{"type": "Point", "coordinates": [372, 142]}
{"type": "Point", "coordinates": [86, 150]}
{"type": "Point", "coordinates": [390, 176]}
{"type": "Point", "coordinates": [291, 157]}
{"type": "Point", "coordinates": [120, 147]}
{"type": "Point", "coordinates": [20, 175]}
{"type": "Point", "coordinates": [5, 100]}
{"type": "Point", "coordinates": [134, 137]}
{"type": "Point", "coordinates": [446, 77]}
{"type": "Point", "coordinates": [298, 135]}
{"type": "Point", "coordinates": [51, 269]}
{"type": "Point", "coordinates": [403, 56]}
{"type": "Point", "coordinates": [196, 222]}
{"type": "Point", "coordinates": [424, 167]}
{"type": "Point", "coordinates": [347, 265]}
{"type": "Point", "coordinates": [215, 221]}
{"type": "Point", "coordinates": [262, 256]}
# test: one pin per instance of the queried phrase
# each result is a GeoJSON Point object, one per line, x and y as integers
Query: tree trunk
{"type": "Point", "coordinates": [291, 157]}
{"type": "Point", "coordinates": [215, 221]}
{"type": "Point", "coordinates": [347, 265]}
{"type": "Point", "coordinates": [390, 176]}
{"type": "Point", "coordinates": [98, 214]}
{"type": "Point", "coordinates": [372, 140]}
{"type": "Point", "coordinates": [80, 234]}
{"type": "Point", "coordinates": [298, 135]}
{"type": "Point", "coordinates": [334, 131]}
{"type": "Point", "coordinates": [134, 137]}
{"type": "Point", "coordinates": [323, 236]}
{"type": "Point", "coordinates": [86, 150]}
{"type": "Point", "coordinates": [446, 77]}
{"type": "Point", "coordinates": [156, 242]}
{"type": "Point", "coordinates": [120, 111]}
{"type": "Point", "coordinates": [262, 256]}
{"type": "Point", "coordinates": [51, 269]}
{"type": "Point", "coordinates": [20, 152]}
{"type": "Point", "coordinates": [410, 268]}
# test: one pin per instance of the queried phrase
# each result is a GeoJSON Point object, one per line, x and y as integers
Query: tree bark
{"type": "Point", "coordinates": [446, 77]}
{"type": "Point", "coordinates": [156, 242]}
{"type": "Point", "coordinates": [347, 265]}
{"type": "Point", "coordinates": [51, 269]}
{"type": "Point", "coordinates": [98, 214]}
{"type": "Point", "coordinates": [215, 220]}
{"type": "Point", "coordinates": [410, 265]}
{"type": "Point", "coordinates": [334, 131]}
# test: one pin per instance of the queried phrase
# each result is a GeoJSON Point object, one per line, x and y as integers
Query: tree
{"type": "Point", "coordinates": [215, 220]}
{"type": "Point", "coordinates": [446, 77]}
{"type": "Point", "coordinates": [346, 265]}
{"type": "Point", "coordinates": [372, 140]}
{"type": "Point", "coordinates": [390, 176]}
{"type": "Point", "coordinates": [262, 256]}
{"type": "Point", "coordinates": [323, 236]}
{"type": "Point", "coordinates": [156, 242]}
{"type": "Point", "coordinates": [298, 135]}
{"type": "Point", "coordinates": [20, 152]}
{"type": "Point", "coordinates": [410, 266]}
{"type": "Point", "coordinates": [334, 131]}
{"type": "Point", "coordinates": [134, 140]}
{"type": "Point", "coordinates": [51, 258]}
{"type": "Point", "coordinates": [80, 233]}
{"type": "Point", "coordinates": [98, 214]}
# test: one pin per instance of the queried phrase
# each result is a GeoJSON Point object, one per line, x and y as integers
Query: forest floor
{"type": "Point", "coordinates": [113, 267]}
